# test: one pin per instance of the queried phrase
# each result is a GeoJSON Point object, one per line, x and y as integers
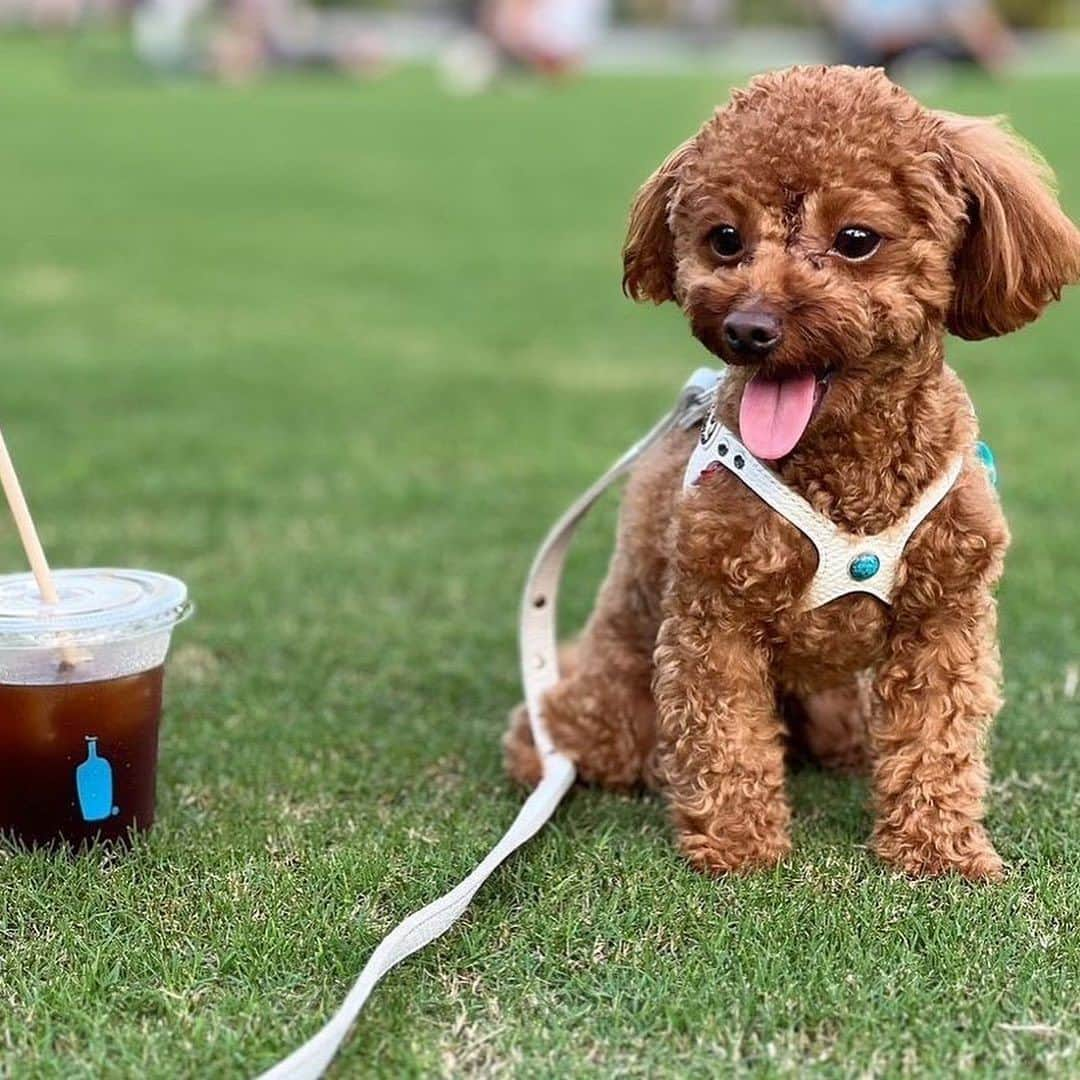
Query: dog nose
{"type": "Point", "coordinates": [752, 331]}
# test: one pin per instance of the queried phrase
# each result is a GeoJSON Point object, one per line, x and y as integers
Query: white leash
{"type": "Point", "coordinates": [539, 672]}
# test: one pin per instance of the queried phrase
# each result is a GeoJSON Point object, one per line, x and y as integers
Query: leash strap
{"type": "Point", "coordinates": [539, 670]}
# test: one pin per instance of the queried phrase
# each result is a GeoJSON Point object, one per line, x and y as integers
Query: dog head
{"type": "Point", "coordinates": [823, 222]}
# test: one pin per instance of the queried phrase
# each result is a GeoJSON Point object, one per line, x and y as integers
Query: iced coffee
{"type": "Point", "coordinates": [80, 703]}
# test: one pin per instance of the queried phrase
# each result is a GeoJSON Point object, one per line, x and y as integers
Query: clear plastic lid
{"type": "Point", "coordinates": [98, 606]}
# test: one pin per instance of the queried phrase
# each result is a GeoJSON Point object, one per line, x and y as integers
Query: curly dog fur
{"type": "Point", "coordinates": [697, 666]}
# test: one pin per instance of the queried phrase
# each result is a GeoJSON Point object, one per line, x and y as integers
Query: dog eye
{"type": "Point", "coordinates": [725, 241]}
{"type": "Point", "coordinates": [855, 242]}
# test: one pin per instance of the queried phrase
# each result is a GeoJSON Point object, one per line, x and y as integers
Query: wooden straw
{"type": "Point", "coordinates": [31, 542]}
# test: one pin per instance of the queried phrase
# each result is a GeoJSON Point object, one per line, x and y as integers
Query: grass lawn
{"type": "Point", "coordinates": [337, 355]}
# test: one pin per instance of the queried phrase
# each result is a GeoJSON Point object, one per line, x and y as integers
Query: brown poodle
{"type": "Point", "coordinates": [821, 232]}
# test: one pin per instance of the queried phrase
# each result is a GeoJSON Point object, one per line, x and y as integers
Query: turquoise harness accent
{"type": "Point", "coordinates": [986, 456]}
{"type": "Point", "coordinates": [864, 567]}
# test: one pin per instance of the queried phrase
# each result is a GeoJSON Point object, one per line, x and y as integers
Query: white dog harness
{"type": "Point", "coordinates": [847, 563]}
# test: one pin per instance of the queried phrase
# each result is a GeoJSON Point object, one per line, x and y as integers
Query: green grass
{"type": "Point", "coordinates": [337, 355]}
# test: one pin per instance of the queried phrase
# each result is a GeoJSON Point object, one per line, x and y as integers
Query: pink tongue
{"type": "Point", "coordinates": [774, 414]}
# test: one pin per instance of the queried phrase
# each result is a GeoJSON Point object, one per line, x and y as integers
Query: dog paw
{"type": "Point", "coordinates": [733, 855]}
{"type": "Point", "coordinates": [966, 851]}
{"type": "Point", "coordinates": [519, 753]}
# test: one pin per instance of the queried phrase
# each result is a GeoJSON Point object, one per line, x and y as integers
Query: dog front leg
{"type": "Point", "coordinates": [720, 753]}
{"type": "Point", "coordinates": [939, 691]}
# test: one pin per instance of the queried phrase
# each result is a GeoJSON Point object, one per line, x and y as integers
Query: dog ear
{"type": "Point", "coordinates": [648, 254]}
{"type": "Point", "coordinates": [1019, 249]}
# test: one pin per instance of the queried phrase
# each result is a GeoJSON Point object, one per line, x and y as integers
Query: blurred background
{"type": "Point", "coordinates": [476, 41]}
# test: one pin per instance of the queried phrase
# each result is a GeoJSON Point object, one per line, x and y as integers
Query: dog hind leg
{"type": "Point", "coordinates": [601, 714]}
{"type": "Point", "coordinates": [519, 751]}
{"type": "Point", "coordinates": [835, 725]}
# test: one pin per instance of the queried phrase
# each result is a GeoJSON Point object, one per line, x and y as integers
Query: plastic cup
{"type": "Point", "coordinates": [80, 702]}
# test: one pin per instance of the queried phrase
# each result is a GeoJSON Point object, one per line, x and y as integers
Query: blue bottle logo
{"type": "Point", "coordinates": [94, 785]}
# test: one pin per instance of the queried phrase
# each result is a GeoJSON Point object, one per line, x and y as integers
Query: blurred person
{"type": "Point", "coordinates": [884, 33]}
{"type": "Point", "coordinates": [705, 21]}
{"type": "Point", "coordinates": [163, 32]}
{"type": "Point", "coordinates": [552, 37]}
{"type": "Point", "coordinates": [262, 34]}
{"type": "Point", "coordinates": [250, 36]}
{"type": "Point", "coordinates": [58, 15]}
